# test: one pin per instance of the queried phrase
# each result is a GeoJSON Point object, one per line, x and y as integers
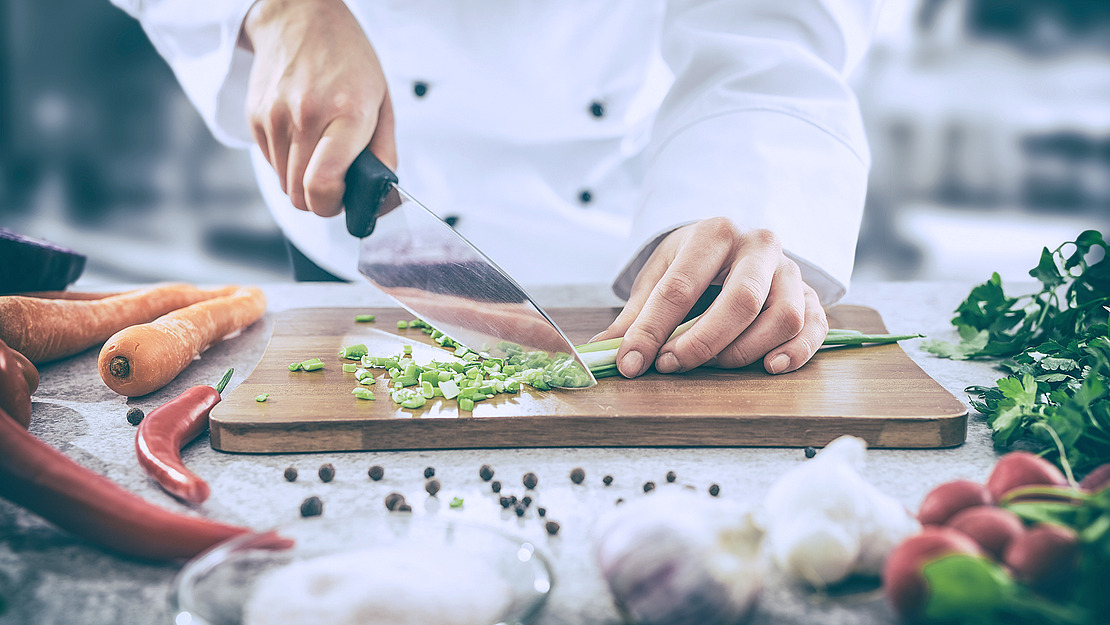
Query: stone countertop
{"type": "Point", "coordinates": [49, 577]}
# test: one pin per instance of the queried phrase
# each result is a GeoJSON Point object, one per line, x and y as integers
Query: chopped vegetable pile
{"type": "Point", "coordinates": [1056, 351]}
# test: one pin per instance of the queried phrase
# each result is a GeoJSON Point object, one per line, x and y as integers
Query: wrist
{"type": "Point", "coordinates": [268, 19]}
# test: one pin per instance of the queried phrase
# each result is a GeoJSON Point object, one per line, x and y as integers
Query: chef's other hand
{"type": "Point", "coordinates": [764, 310]}
{"type": "Point", "coordinates": [316, 97]}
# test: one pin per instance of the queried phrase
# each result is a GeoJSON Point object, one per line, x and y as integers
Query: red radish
{"type": "Point", "coordinates": [1096, 480]}
{"type": "Point", "coordinates": [949, 498]}
{"type": "Point", "coordinates": [1044, 556]}
{"type": "Point", "coordinates": [990, 526]}
{"type": "Point", "coordinates": [1021, 468]}
{"type": "Point", "coordinates": [903, 582]}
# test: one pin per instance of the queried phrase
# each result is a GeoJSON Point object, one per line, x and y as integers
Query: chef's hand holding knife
{"type": "Point", "coordinates": [318, 97]}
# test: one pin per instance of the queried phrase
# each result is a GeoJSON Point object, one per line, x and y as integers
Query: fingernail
{"type": "Point", "coordinates": [594, 337]}
{"type": "Point", "coordinates": [632, 364]}
{"type": "Point", "coordinates": [667, 363]}
{"type": "Point", "coordinates": [779, 363]}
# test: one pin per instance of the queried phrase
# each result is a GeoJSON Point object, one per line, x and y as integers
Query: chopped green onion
{"type": "Point", "coordinates": [350, 367]}
{"type": "Point", "coordinates": [261, 398]}
{"type": "Point", "coordinates": [294, 366]}
{"type": "Point", "coordinates": [401, 325]}
{"type": "Point", "coordinates": [312, 366]}
{"type": "Point", "coordinates": [353, 352]}
{"type": "Point", "coordinates": [363, 393]}
{"type": "Point", "coordinates": [364, 318]}
{"type": "Point", "coordinates": [456, 503]}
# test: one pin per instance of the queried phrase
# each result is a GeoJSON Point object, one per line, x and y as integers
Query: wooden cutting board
{"type": "Point", "coordinates": [877, 393]}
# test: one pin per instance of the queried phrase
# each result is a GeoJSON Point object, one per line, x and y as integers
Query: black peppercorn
{"type": "Point", "coordinates": [495, 486]}
{"type": "Point", "coordinates": [577, 475]}
{"type": "Point", "coordinates": [530, 480]}
{"type": "Point", "coordinates": [552, 527]}
{"type": "Point", "coordinates": [392, 500]}
{"type": "Point", "coordinates": [135, 416]}
{"type": "Point", "coordinates": [513, 499]}
{"type": "Point", "coordinates": [485, 472]}
{"type": "Point", "coordinates": [290, 474]}
{"type": "Point", "coordinates": [714, 490]}
{"type": "Point", "coordinates": [376, 472]}
{"type": "Point", "coordinates": [619, 501]}
{"type": "Point", "coordinates": [519, 509]}
{"type": "Point", "coordinates": [526, 500]}
{"type": "Point", "coordinates": [429, 472]}
{"type": "Point", "coordinates": [506, 502]}
{"type": "Point", "coordinates": [432, 486]}
{"type": "Point", "coordinates": [607, 480]}
{"type": "Point", "coordinates": [811, 452]}
{"type": "Point", "coordinates": [312, 507]}
{"type": "Point", "coordinates": [404, 507]}
{"type": "Point", "coordinates": [671, 476]}
{"type": "Point", "coordinates": [326, 472]}
{"type": "Point", "coordinates": [649, 486]}
{"type": "Point", "coordinates": [542, 511]}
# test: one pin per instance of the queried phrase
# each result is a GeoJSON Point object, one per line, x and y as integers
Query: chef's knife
{"type": "Point", "coordinates": [430, 269]}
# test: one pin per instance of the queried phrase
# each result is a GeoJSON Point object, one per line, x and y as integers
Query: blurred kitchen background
{"type": "Point", "coordinates": [989, 122]}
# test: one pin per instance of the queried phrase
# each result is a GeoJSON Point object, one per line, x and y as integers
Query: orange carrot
{"type": "Point", "coordinates": [143, 358]}
{"type": "Point", "coordinates": [69, 294]}
{"type": "Point", "coordinates": [45, 329]}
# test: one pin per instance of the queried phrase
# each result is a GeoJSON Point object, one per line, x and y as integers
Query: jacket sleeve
{"type": "Point", "coordinates": [198, 39]}
{"type": "Point", "coordinates": [761, 126]}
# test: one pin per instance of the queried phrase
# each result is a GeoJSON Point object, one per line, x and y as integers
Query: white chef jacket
{"type": "Point", "coordinates": [568, 136]}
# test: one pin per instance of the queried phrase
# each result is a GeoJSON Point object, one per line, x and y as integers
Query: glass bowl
{"type": "Point", "coordinates": [402, 569]}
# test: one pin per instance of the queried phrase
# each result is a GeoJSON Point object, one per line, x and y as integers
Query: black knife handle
{"type": "Point", "coordinates": [368, 181]}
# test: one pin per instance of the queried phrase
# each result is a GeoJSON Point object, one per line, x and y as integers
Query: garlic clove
{"type": "Point", "coordinates": [815, 549]}
{"type": "Point", "coordinates": [677, 557]}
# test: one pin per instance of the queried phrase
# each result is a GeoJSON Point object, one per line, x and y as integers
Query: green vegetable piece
{"type": "Point", "coordinates": [261, 398]}
{"type": "Point", "coordinates": [449, 388]}
{"type": "Point", "coordinates": [416, 401]}
{"type": "Point", "coordinates": [427, 390]}
{"type": "Point", "coordinates": [407, 349]}
{"type": "Point", "coordinates": [312, 365]}
{"type": "Point", "coordinates": [363, 393]}
{"type": "Point", "coordinates": [349, 367]}
{"type": "Point", "coordinates": [353, 352]}
{"type": "Point", "coordinates": [294, 366]}
{"type": "Point", "coordinates": [456, 503]}
{"type": "Point", "coordinates": [465, 403]}
{"type": "Point", "coordinates": [401, 325]}
{"type": "Point", "coordinates": [364, 318]}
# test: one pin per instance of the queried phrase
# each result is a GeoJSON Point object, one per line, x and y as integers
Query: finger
{"type": "Point", "coordinates": [695, 266]}
{"type": "Point", "coordinates": [276, 126]}
{"type": "Point", "coordinates": [341, 141]}
{"type": "Point", "coordinates": [781, 319]}
{"type": "Point", "coordinates": [384, 143]}
{"type": "Point", "coordinates": [798, 350]}
{"type": "Point", "coordinates": [742, 301]}
{"type": "Point", "coordinates": [648, 276]}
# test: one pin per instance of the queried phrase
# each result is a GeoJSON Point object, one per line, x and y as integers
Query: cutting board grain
{"type": "Point", "coordinates": [877, 393]}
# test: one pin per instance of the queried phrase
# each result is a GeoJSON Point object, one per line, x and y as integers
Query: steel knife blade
{"type": "Point", "coordinates": [431, 270]}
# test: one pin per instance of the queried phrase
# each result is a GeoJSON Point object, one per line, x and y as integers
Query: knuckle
{"type": "Point", "coordinates": [720, 228]}
{"type": "Point", "coordinates": [762, 237]}
{"type": "Point", "coordinates": [736, 355]}
{"type": "Point", "coordinates": [746, 301]}
{"type": "Point", "coordinates": [678, 288]}
{"type": "Point", "coordinates": [694, 350]}
{"type": "Point", "coordinates": [652, 334]}
{"type": "Point", "coordinates": [791, 318]}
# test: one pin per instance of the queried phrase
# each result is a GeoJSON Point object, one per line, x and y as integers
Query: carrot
{"type": "Point", "coordinates": [81, 295]}
{"type": "Point", "coordinates": [44, 329]}
{"type": "Point", "coordinates": [143, 358]}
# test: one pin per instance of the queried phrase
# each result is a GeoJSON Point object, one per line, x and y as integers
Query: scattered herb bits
{"type": "Point", "coordinates": [552, 527]}
{"type": "Point", "coordinates": [135, 415]}
{"type": "Point", "coordinates": [811, 452]}
{"type": "Point", "coordinates": [495, 486]}
{"type": "Point", "coordinates": [649, 486]}
{"type": "Point", "coordinates": [671, 477]}
{"type": "Point", "coordinates": [456, 503]}
{"type": "Point", "coordinates": [312, 506]}
{"type": "Point", "coordinates": [485, 472]}
{"type": "Point", "coordinates": [326, 472]}
{"type": "Point", "coordinates": [429, 472]}
{"type": "Point", "coordinates": [577, 475]}
{"type": "Point", "coordinates": [432, 486]}
{"type": "Point", "coordinates": [393, 500]}
{"type": "Point", "coordinates": [530, 480]}
{"type": "Point", "coordinates": [607, 480]}
{"type": "Point", "coordinates": [376, 472]}
{"type": "Point", "coordinates": [714, 490]}
{"type": "Point", "coordinates": [290, 474]}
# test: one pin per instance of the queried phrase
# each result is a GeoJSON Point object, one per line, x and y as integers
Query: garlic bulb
{"type": "Point", "coordinates": [678, 557]}
{"type": "Point", "coordinates": [824, 521]}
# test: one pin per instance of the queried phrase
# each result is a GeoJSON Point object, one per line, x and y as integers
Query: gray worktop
{"type": "Point", "coordinates": [48, 577]}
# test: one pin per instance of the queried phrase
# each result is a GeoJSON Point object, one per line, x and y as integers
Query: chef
{"type": "Point", "coordinates": [664, 146]}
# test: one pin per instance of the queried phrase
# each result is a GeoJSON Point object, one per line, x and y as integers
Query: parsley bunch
{"type": "Point", "coordinates": [1056, 351]}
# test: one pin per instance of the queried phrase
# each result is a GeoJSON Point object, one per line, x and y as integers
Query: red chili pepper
{"type": "Point", "coordinates": [18, 379]}
{"type": "Point", "coordinates": [167, 429]}
{"type": "Point", "coordinates": [47, 482]}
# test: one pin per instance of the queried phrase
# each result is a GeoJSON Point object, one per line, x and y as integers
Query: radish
{"type": "Point", "coordinates": [1021, 468]}
{"type": "Point", "coordinates": [946, 500]}
{"type": "Point", "coordinates": [903, 581]}
{"type": "Point", "coordinates": [990, 526]}
{"type": "Point", "coordinates": [1044, 557]}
